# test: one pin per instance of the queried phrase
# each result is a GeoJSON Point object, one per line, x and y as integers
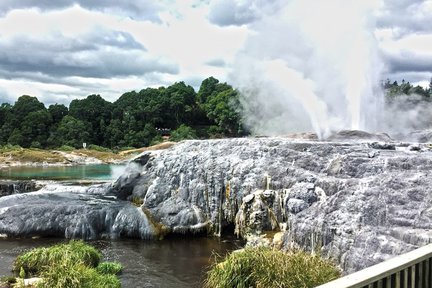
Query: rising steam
{"type": "Point", "coordinates": [311, 65]}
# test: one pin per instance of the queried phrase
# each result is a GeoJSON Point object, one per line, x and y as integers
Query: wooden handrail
{"type": "Point", "coordinates": [391, 269]}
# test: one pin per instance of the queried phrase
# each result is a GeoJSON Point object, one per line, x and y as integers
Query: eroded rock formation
{"type": "Point", "coordinates": [356, 202]}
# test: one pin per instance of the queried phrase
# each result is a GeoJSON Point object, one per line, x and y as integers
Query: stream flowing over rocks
{"type": "Point", "coordinates": [356, 201]}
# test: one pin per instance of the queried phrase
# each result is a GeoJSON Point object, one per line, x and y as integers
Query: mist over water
{"type": "Point", "coordinates": [311, 65]}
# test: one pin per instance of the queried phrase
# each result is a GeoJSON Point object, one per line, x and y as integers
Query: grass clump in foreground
{"type": "Point", "coordinates": [266, 267]}
{"type": "Point", "coordinates": [75, 264]}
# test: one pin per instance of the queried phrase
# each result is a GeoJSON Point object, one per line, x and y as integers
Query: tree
{"type": "Point", "coordinates": [5, 126]}
{"type": "Point", "coordinates": [92, 110]}
{"type": "Point", "coordinates": [72, 132]}
{"type": "Point", "coordinates": [223, 109]}
{"type": "Point", "coordinates": [183, 133]}
{"type": "Point", "coordinates": [57, 111]}
{"type": "Point", "coordinates": [25, 105]}
{"type": "Point", "coordinates": [35, 128]}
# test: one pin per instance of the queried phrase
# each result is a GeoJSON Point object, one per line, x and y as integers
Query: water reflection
{"type": "Point", "coordinates": [87, 172]}
{"type": "Point", "coordinates": [179, 262]}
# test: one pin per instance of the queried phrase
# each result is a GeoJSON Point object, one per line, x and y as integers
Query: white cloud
{"type": "Point", "coordinates": [70, 49]}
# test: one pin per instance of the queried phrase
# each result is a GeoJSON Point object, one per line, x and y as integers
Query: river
{"type": "Point", "coordinates": [175, 262]}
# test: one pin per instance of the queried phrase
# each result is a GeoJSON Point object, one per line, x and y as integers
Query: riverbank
{"type": "Point", "coordinates": [37, 157]}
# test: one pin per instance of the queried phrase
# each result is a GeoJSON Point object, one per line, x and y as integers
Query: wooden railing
{"type": "Point", "coordinates": [410, 270]}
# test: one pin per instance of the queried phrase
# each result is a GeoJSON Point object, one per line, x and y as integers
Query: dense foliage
{"type": "Point", "coordinates": [135, 119]}
{"type": "Point", "coordinates": [74, 264]}
{"type": "Point", "coordinates": [265, 267]}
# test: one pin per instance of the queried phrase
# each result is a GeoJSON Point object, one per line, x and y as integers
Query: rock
{"type": "Point", "coordinates": [331, 196]}
{"type": "Point", "coordinates": [9, 187]}
{"type": "Point", "coordinates": [357, 135]}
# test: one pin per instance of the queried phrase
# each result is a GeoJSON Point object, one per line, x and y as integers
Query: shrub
{"type": "Point", "coordinates": [66, 148]}
{"type": "Point", "coordinates": [265, 267]}
{"type": "Point", "coordinates": [36, 260]}
{"type": "Point", "coordinates": [98, 148]}
{"type": "Point", "coordinates": [183, 132]}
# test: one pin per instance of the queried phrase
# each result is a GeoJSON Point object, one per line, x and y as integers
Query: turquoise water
{"type": "Point", "coordinates": [79, 172]}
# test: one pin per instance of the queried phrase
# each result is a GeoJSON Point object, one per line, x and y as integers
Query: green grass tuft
{"type": "Point", "coordinates": [265, 267]}
{"type": "Point", "coordinates": [112, 268]}
{"type": "Point", "coordinates": [73, 265]}
{"type": "Point", "coordinates": [36, 260]}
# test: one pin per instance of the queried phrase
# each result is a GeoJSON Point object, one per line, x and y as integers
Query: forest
{"type": "Point", "coordinates": [139, 119]}
{"type": "Point", "coordinates": [135, 119]}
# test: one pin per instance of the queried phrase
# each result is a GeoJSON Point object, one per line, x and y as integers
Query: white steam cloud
{"type": "Point", "coordinates": [311, 65]}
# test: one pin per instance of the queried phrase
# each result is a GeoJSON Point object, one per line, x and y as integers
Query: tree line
{"type": "Point", "coordinates": [136, 119]}
{"type": "Point", "coordinates": [406, 88]}
{"type": "Point", "coordinates": [139, 119]}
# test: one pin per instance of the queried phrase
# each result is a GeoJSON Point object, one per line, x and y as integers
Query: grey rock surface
{"type": "Point", "coordinates": [9, 187]}
{"type": "Point", "coordinates": [72, 212]}
{"type": "Point", "coordinates": [356, 202]}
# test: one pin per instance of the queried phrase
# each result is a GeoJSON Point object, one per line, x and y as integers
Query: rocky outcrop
{"type": "Point", "coordinates": [9, 187]}
{"type": "Point", "coordinates": [72, 212]}
{"type": "Point", "coordinates": [355, 202]}
{"type": "Point", "coordinates": [358, 203]}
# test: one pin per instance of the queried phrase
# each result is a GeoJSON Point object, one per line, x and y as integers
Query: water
{"type": "Point", "coordinates": [179, 262]}
{"type": "Point", "coordinates": [82, 172]}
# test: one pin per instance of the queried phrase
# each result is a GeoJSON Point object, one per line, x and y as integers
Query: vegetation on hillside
{"type": "Point", "coordinates": [135, 119]}
{"type": "Point", "coordinates": [267, 268]}
{"type": "Point", "coordinates": [141, 119]}
{"type": "Point", "coordinates": [75, 264]}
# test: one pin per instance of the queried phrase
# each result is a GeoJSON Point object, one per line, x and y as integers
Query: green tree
{"type": "Point", "coordinates": [95, 111]}
{"type": "Point", "coordinates": [184, 132]}
{"type": "Point", "coordinates": [35, 128]}
{"type": "Point", "coordinates": [57, 111]}
{"type": "Point", "coordinates": [71, 132]}
{"type": "Point", "coordinates": [6, 127]}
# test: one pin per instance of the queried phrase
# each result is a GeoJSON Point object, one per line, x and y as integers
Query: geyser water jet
{"type": "Point", "coordinates": [311, 65]}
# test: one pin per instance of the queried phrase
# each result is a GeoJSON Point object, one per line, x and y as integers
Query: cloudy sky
{"type": "Point", "coordinates": [64, 49]}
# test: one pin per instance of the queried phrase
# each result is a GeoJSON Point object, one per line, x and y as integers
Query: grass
{"type": "Point", "coordinates": [73, 265]}
{"type": "Point", "coordinates": [109, 268]}
{"type": "Point", "coordinates": [10, 153]}
{"type": "Point", "coordinates": [32, 155]}
{"type": "Point", "coordinates": [105, 156]}
{"type": "Point", "coordinates": [36, 260]}
{"type": "Point", "coordinates": [265, 267]}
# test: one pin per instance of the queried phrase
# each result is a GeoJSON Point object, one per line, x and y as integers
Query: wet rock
{"type": "Point", "coordinates": [10, 187]}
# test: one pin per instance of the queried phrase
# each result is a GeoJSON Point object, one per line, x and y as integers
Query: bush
{"type": "Point", "coordinates": [265, 267]}
{"type": "Point", "coordinates": [98, 148]}
{"type": "Point", "coordinates": [36, 260]}
{"type": "Point", "coordinates": [183, 132]}
{"type": "Point", "coordinates": [66, 148]}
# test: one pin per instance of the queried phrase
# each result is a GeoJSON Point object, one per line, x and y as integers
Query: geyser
{"type": "Point", "coordinates": [313, 65]}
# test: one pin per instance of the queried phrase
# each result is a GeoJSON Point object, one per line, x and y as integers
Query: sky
{"type": "Point", "coordinates": [63, 50]}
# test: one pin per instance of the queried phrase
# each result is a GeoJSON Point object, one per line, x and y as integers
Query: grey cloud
{"type": "Point", "coordinates": [138, 9]}
{"type": "Point", "coordinates": [100, 54]}
{"type": "Point", "coordinates": [236, 12]}
{"type": "Point", "coordinates": [407, 61]}
{"type": "Point", "coordinates": [404, 17]}
{"type": "Point", "coordinates": [411, 77]}
{"type": "Point", "coordinates": [216, 63]}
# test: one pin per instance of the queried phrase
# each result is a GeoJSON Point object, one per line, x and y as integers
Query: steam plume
{"type": "Point", "coordinates": [311, 65]}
